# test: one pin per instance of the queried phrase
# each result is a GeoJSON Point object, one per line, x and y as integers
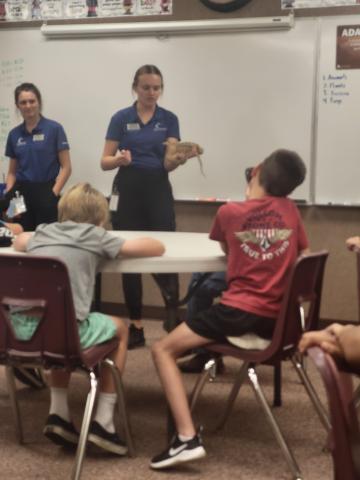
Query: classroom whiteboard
{"type": "Point", "coordinates": [337, 170]}
{"type": "Point", "coordinates": [238, 95]}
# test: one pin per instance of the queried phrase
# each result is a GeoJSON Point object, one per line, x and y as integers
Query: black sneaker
{"type": "Point", "coordinates": [30, 377]}
{"type": "Point", "coordinates": [197, 363]}
{"type": "Point", "coordinates": [106, 440]}
{"type": "Point", "coordinates": [179, 452]}
{"type": "Point", "coordinates": [136, 337]}
{"type": "Point", "coordinates": [61, 431]}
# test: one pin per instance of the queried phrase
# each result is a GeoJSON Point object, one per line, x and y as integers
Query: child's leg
{"type": "Point", "coordinates": [102, 430]}
{"type": "Point", "coordinates": [59, 428]}
{"type": "Point", "coordinates": [118, 356]}
{"type": "Point", "coordinates": [165, 352]}
{"type": "Point", "coordinates": [59, 382]}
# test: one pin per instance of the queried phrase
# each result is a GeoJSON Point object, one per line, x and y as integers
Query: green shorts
{"type": "Point", "coordinates": [96, 328]}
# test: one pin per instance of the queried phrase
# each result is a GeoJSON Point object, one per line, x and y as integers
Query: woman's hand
{"type": "Point", "coordinates": [177, 153]}
{"type": "Point", "coordinates": [112, 157]}
{"type": "Point", "coordinates": [123, 158]}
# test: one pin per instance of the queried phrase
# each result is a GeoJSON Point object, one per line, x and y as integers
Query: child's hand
{"type": "Point", "coordinates": [327, 339]}
{"type": "Point", "coordinates": [313, 338]}
{"type": "Point", "coordinates": [322, 338]}
{"type": "Point", "coordinates": [353, 243]}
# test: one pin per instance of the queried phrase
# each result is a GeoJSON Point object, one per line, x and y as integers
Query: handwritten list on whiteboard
{"type": "Point", "coordinates": [337, 173]}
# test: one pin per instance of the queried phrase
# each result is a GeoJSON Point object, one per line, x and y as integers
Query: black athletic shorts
{"type": "Point", "coordinates": [221, 321]}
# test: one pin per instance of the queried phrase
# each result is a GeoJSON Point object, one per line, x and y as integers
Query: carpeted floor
{"type": "Point", "coordinates": [244, 450]}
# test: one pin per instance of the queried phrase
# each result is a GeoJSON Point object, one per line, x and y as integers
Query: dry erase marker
{"type": "Point", "coordinates": [207, 199]}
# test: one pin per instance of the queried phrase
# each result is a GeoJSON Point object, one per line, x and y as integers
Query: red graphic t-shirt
{"type": "Point", "coordinates": [263, 239]}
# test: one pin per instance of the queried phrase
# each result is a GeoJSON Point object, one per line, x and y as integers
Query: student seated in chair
{"type": "Point", "coordinates": [80, 239]}
{"type": "Point", "coordinates": [262, 237]}
{"type": "Point", "coordinates": [341, 341]}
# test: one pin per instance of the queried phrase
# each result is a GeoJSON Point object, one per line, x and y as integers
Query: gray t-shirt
{"type": "Point", "coordinates": [81, 247]}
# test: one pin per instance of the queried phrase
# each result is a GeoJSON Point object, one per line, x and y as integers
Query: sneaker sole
{"type": "Point", "coordinates": [108, 446]}
{"type": "Point", "coordinates": [184, 456]}
{"type": "Point", "coordinates": [60, 436]}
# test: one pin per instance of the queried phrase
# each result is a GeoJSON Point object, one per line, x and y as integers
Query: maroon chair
{"type": "Point", "coordinates": [344, 441]}
{"type": "Point", "coordinates": [358, 280]}
{"type": "Point", "coordinates": [304, 287]}
{"type": "Point", "coordinates": [43, 283]}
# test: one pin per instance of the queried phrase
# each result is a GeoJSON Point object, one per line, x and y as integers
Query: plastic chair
{"type": "Point", "coordinates": [344, 441]}
{"type": "Point", "coordinates": [358, 280]}
{"type": "Point", "coordinates": [43, 283]}
{"type": "Point", "coordinates": [304, 286]}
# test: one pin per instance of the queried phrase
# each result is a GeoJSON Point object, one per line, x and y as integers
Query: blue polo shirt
{"type": "Point", "coordinates": [145, 141]}
{"type": "Point", "coordinates": [37, 152]}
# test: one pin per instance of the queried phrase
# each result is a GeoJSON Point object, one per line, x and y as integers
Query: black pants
{"type": "Point", "coordinates": [145, 203]}
{"type": "Point", "coordinates": [40, 201]}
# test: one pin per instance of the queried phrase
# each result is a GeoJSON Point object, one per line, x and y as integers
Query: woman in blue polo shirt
{"type": "Point", "coordinates": [141, 144]}
{"type": "Point", "coordinates": [39, 159]}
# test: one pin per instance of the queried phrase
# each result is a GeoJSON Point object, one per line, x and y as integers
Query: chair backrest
{"type": "Point", "coordinates": [304, 286]}
{"type": "Point", "coordinates": [345, 435]}
{"type": "Point", "coordinates": [358, 280]}
{"type": "Point", "coordinates": [41, 283]}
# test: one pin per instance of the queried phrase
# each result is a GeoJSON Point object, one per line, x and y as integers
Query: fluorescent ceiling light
{"type": "Point", "coordinates": [168, 28]}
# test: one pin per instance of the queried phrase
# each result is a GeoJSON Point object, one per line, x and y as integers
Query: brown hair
{"type": "Point", "coordinates": [147, 69]}
{"type": "Point", "coordinates": [27, 87]}
{"type": "Point", "coordinates": [82, 203]}
{"type": "Point", "coordinates": [281, 172]}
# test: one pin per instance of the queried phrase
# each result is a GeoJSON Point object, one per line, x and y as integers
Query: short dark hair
{"type": "Point", "coordinates": [27, 87]}
{"type": "Point", "coordinates": [147, 69]}
{"type": "Point", "coordinates": [281, 172]}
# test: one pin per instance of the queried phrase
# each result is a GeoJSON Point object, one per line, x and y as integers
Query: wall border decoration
{"type": "Point", "coordinates": [224, 6]}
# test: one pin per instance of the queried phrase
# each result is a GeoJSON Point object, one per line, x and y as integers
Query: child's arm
{"type": "Point", "coordinates": [349, 339]}
{"type": "Point", "coordinates": [142, 247]}
{"type": "Point", "coordinates": [14, 228]}
{"type": "Point", "coordinates": [21, 241]}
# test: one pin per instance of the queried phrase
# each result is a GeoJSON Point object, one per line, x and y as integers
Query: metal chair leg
{"type": "Point", "coordinates": [80, 452]}
{"type": "Point", "coordinates": [239, 380]}
{"type": "Point", "coordinates": [200, 383]}
{"type": "Point", "coordinates": [121, 404]}
{"type": "Point", "coordinates": [275, 427]}
{"type": "Point", "coordinates": [357, 397]}
{"type": "Point", "coordinates": [277, 385]}
{"type": "Point", "coordinates": [311, 392]}
{"type": "Point", "coordinates": [14, 403]}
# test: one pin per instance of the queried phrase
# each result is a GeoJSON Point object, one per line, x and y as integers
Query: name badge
{"type": "Point", "coordinates": [16, 206]}
{"type": "Point", "coordinates": [39, 137]}
{"type": "Point", "coordinates": [132, 126]}
{"type": "Point", "coordinates": [114, 200]}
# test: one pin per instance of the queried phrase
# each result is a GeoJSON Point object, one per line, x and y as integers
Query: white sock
{"type": "Point", "coordinates": [59, 402]}
{"type": "Point", "coordinates": [184, 438]}
{"type": "Point", "coordinates": [105, 411]}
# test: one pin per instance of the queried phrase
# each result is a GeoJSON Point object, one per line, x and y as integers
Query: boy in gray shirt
{"type": "Point", "coordinates": [81, 241]}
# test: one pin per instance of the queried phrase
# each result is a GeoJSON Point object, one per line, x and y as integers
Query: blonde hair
{"type": "Point", "coordinates": [82, 203]}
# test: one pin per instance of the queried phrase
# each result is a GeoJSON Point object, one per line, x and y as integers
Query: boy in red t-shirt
{"type": "Point", "coordinates": [262, 238]}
